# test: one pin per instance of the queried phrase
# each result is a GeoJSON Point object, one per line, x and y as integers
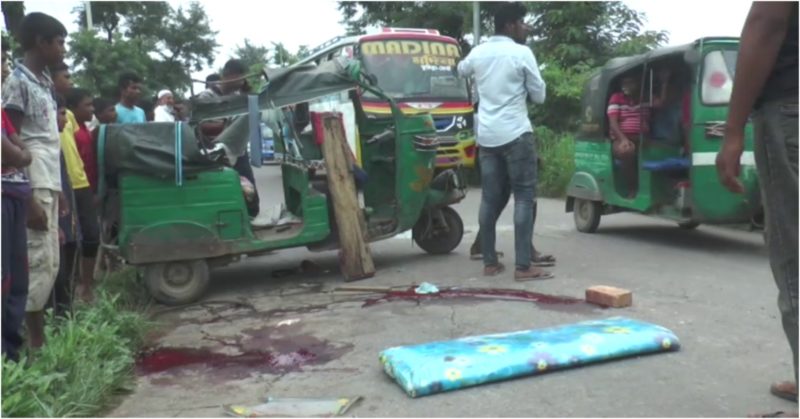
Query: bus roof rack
{"type": "Point", "coordinates": [410, 30]}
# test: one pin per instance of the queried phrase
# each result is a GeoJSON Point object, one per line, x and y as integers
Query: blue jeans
{"type": "Point", "coordinates": [776, 159]}
{"type": "Point", "coordinates": [509, 167]}
{"type": "Point", "coordinates": [15, 268]}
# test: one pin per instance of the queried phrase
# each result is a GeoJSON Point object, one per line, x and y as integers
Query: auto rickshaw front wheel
{"type": "Point", "coordinates": [587, 215]}
{"type": "Point", "coordinates": [177, 283]}
{"type": "Point", "coordinates": [438, 231]}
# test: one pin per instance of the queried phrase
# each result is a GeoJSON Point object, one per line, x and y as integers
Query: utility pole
{"type": "Point", "coordinates": [89, 15]}
{"type": "Point", "coordinates": [476, 23]}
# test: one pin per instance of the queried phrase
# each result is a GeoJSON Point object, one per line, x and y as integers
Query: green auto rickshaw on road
{"type": "Point", "coordinates": [177, 209]}
{"type": "Point", "coordinates": [677, 178]}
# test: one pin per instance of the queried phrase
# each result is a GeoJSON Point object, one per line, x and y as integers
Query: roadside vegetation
{"type": "Point", "coordinates": [89, 356]}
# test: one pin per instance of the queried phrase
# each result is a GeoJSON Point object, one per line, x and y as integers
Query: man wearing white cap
{"type": "Point", "coordinates": [164, 111]}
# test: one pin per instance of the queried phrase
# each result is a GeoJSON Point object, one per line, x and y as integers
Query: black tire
{"type": "Point", "coordinates": [177, 283]}
{"type": "Point", "coordinates": [689, 225]}
{"type": "Point", "coordinates": [587, 215]}
{"type": "Point", "coordinates": [438, 241]}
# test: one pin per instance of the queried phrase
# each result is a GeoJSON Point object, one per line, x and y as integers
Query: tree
{"type": "Point", "coordinates": [13, 12]}
{"type": "Point", "coordinates": [255, 57]}
{"type": "Point", "coordinates": [251, 54]}
{"type": "Point", "coordinates": [162, 44]}
{"type": "Point", "coordinates": [450, 18]}
{"type": "Point", "coordinates": [100, 62]}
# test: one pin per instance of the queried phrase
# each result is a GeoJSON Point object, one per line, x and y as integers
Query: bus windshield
{"type": "Point", "coordinates": [415, 69]}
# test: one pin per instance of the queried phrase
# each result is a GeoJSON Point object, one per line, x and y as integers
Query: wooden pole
{"type": "Point", "coordinates": [355, 257]}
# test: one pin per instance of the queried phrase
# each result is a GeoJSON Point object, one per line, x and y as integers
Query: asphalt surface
{"type": "Point", "coordinates": [263, 336]}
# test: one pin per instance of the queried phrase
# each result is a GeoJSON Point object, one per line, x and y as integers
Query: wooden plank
{"type": "Point", "coordinates": [355, 258]}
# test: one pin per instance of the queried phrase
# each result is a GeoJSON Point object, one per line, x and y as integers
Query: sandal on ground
{"type": "Point", "coordinates": [541, 260]}
{"type": "Point", "coordinates": [493, 270]}
{"type": "Point", "coordinates": [532, 274]}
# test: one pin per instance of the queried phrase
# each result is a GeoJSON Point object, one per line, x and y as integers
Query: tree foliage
{"type": "Point", "coordinates": [13, 12]}
{"type": "Point", "coordinates": [162, 44]}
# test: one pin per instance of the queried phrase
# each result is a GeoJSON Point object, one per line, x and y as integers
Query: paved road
{"type": "Point", "coordinates": [711, 286]}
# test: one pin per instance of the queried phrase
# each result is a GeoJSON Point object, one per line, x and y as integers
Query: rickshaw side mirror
{"type": "Point", "coordinates": [691, 57]}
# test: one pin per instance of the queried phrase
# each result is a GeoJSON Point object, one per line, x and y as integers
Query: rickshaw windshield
{"type": "Point", "coordinates": [719, 69]}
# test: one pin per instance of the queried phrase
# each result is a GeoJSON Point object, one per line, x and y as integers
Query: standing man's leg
{"type": "Point", "coordinates": [65, 279]}
{"type": "Point", "coordinates": [43, 259]}
{"type": "Point", "coordinates": [776, 158]}
{"type": "Point", "coordinates": [15, 274]}
{"type": "Point", "coordinates": [90, 242]}
{"type": "Point", "coordinates": [493, 177]}
{"type": "Point", "coordinates": [475, 249]}
{"type": "Point", "coordinates": [537, 259]}
{"type": "Point", "coordinates": [521, 160]}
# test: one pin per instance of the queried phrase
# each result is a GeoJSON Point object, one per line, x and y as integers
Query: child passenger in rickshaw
{"type": "Point", "coordinates": [629, 120]}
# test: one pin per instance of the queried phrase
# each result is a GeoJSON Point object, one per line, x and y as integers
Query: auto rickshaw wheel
{"type": "Point", "coordinates": [439, 231]}
{"type": "Point", "coordinates": [587, 215]}
{"type": "Point", "coordinates": [689, 225]}
{"type": "Point", "coordinates": [177, 283]}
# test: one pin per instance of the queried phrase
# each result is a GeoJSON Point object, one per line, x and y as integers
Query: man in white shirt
{"type": "Point", "coordinates": [506, 74]}
{"type": "Point", "coordinates": [164, 112]}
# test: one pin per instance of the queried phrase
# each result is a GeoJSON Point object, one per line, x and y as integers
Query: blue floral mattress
{"type": "Point", "coordinates": [450, 365]}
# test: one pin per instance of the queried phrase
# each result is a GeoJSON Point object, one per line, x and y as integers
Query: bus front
{"type": "Point", "coordinates": [417, 68]}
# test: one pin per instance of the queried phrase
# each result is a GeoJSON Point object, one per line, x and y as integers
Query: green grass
{"type": "Point", "coordinates": [556, 154]}
{"type": "Point", "coordinates": [88, 358]}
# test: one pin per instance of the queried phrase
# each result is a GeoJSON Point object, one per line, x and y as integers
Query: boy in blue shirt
{"type": "Point", "coordinates": [130, 91]}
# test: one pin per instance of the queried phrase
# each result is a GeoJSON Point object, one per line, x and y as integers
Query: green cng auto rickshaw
{"type": "Point", "coordinates": [176, 208]}
{"type": "Point", "coordinates": [677, 177]}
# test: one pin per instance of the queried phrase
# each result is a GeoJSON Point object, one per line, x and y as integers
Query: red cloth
{"type": "Point", "coordinates": [8, 130]}
{"type": "Point", "coordinates": [317, 124]}
{"type": "Point", "coordinates": [318, 128]}
{"type": "Point", "coordinates": [686, 111]}
{"type": "Point", "coordinates": [84, 141]}
{"type": "Point", "coordinates": [8, 127]}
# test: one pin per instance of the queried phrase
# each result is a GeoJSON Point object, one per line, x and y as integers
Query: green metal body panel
{"type": "Point", "coordinates": [710, 202]}
{"type": "Point", "coordinates": [206, 217]}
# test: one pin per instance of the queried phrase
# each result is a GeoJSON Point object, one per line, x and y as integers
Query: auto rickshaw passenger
{"type": "Point", "coordinates": [628, 118]}
{"type": "Point", "coordinates": [671, 120]}
{"type": "Point", "coordinates": [233, 82]}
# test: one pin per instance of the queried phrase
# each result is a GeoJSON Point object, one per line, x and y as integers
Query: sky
{"type": "Point", "coordinates": [312, 22]}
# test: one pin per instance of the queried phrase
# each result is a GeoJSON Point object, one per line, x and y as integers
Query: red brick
{"type": "Point", "coordinates": [606, 296]}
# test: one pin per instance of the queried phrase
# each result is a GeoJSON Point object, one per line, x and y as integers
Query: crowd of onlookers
{"type": "Point", "coordinates": [51, 226]}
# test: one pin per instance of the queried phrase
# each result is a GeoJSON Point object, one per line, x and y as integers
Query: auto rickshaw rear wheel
{"type": "Point", "coordinates": [587, 215]}
{"type": "Point", "coordinates": [439, 231]}
{"type": "Point", "coordinates": [177, 283]}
